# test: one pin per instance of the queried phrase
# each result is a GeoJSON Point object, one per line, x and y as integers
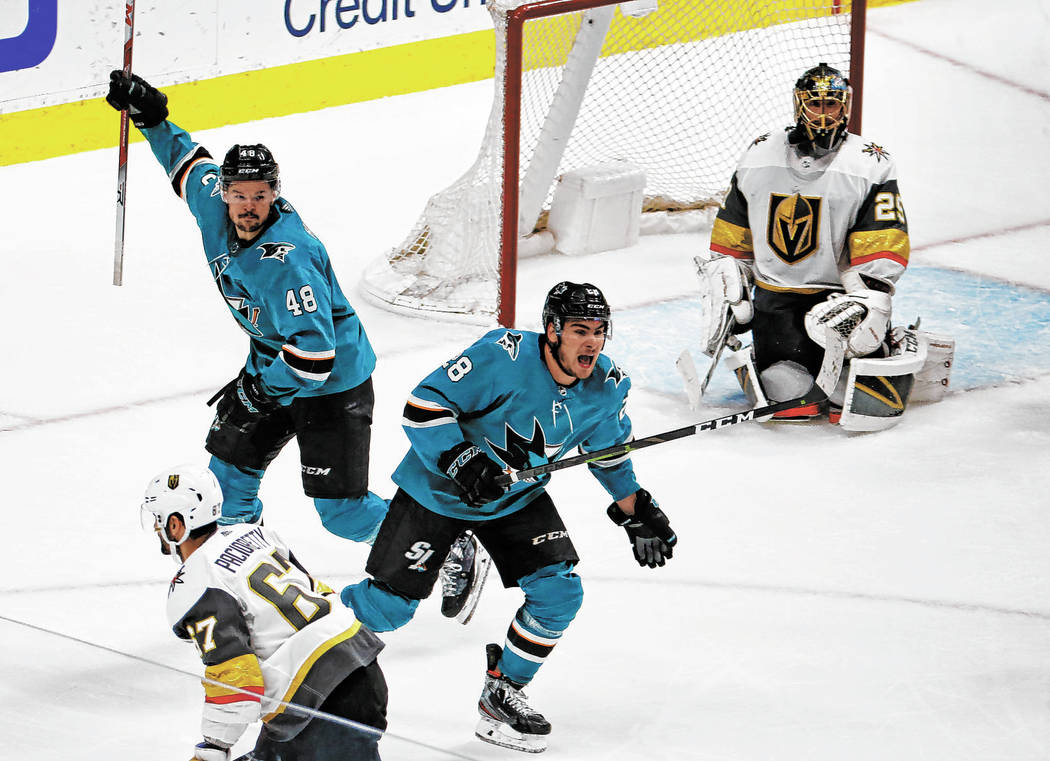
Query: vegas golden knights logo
{"type": "Point", "coordinates": [173, 481]}
{"type": "Point", "coordinates": [794, 226]}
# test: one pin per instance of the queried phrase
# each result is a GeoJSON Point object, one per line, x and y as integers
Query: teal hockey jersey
{"type": "Point", "coordinates": [500, 396]}
{"type": "Point", "coordinates": [306, 339]}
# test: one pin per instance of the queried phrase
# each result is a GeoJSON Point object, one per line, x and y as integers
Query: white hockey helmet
{"type": "Point", "coordinates": [190, 491]}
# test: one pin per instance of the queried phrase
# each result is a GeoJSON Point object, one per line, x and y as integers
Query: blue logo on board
{"type": "Point", "coordinates": [34, 44]}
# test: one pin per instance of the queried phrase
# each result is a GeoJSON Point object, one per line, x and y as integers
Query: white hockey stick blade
{"type": "Point", "coordinates": [831, 367]}
{"type": "Point", "coordinates": [687, 369]}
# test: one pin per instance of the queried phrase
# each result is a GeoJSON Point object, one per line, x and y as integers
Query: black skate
{"type": "Point", "coordinates": [463, 576]}
{"type": "Point", "coordinates": [506, 719]}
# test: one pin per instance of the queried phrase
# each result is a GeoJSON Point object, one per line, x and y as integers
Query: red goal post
{"type": "Point", "coordinates": [677, 87]}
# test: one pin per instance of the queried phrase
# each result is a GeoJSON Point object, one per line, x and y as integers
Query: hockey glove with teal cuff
{"type": "Point", "coordinates": [648, 530]}
{"type": "Point", "coordinates": [474, 472]}
{"type": "Point", "coordinates": [146, 105]}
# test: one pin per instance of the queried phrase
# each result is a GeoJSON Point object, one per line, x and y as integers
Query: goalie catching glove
{"type": "Point", "coordinates": [725, 289]}
{"type": "Point", "coordinates": [860, 318]}
{"type": "Point", "coordinates": [648, 530]}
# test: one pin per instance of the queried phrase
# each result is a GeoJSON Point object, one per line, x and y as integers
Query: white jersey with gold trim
{"type": "Point", "coordinates": [264, 629]}
{"type": "Point", "coordinates": [803, 220]}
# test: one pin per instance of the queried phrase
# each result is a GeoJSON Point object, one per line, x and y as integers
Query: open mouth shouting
{"type": "Point", "coordinates": [575, 353]}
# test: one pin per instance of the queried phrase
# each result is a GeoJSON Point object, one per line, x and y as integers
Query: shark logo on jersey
{"type": "Point", "coordinates": [616, 375]}
{"type": "Point", "coordinates": [518, 450]}
{"type": "Point", "coordinates": [248, 316]}
{"type": "Point", "coordinates": [877, 151]}
{"type": "Point", "coordinates": [510, 342]}
{"type": "Point", "coordinates": [275, 251]}
{"type": "Point", "coordinates": [793, 228]}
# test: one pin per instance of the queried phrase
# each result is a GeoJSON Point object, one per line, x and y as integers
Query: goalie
{"type": "Point", "coordinates": [813, 226]}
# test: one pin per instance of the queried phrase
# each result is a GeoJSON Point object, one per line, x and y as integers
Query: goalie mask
{"type": "Point", "coordinates": [249, 163]}
{"type": "Point", "coordinates": [823, 99]}
{"type": "Point", "coordinates": [189, 491]}
{"type": "Point", "coordinates": [576, 301]}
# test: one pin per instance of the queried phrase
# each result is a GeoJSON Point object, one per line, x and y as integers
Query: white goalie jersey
{"type": "Point", "coordinates": [802, 220]}
{"type": "Point", "coordinates": [267, 633]}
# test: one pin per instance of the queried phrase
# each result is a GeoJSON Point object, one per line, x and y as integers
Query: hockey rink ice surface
{"type": "Point", "coordinates": [833, 597]}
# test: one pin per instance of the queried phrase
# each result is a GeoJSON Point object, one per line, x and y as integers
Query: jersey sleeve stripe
{"type": "Point", "coordinates": [731, 239]}
{"type": "Point", "coordinates": [611, 462]}
{"type": "Point", "coordinates": [236, 677]}
{"type": "Point", "coordinates": [236, 697]}
{"type": "Point", "coordinates": [315, 366]}
{"type": "Point", "coordinates": [417, 416]}
{"type": "Point", "coordinates": [901, 260]}
{"type": "Point", "coordinates": [868, 245]}
{"type": "Point", "coordinates": [302, 353]}
{"type": "Point", "coordinates": [182, 169]}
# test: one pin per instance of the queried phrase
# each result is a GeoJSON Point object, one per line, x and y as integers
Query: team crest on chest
{"type": "Point", "coordinates": [793, 229]}
{"type": "Point", "coordinates": [517, 449]}
{"type": "Point", "coordinates": [275, 251]}
{"type": "Point", "coordinates": [510, 342]}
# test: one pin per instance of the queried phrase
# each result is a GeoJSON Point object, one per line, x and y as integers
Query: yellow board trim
{"type": "Point", "coordinates": [88, 125]}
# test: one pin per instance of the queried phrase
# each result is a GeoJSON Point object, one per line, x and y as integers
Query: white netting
{"type": "Point", "coordinates": [679, 92]}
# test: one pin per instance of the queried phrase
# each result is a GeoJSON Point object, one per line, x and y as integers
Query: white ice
{"type": "Point", "coordinates": [864, 597]}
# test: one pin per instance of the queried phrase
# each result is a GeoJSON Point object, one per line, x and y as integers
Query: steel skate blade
{"type": "Point", "coordinates": [498, 733]}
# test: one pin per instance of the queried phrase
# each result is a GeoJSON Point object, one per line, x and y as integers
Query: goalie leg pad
{"type": "Point", "coordinates": [742, 363]}
{"type": "Point", "coordinates": [932, 381]}
{"type": "Point", "coordinates": [877, 390]}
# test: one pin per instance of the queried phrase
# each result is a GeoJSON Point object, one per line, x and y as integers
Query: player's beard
{"type": "Point", "coordinates": [570, 364]}
{"type": "Point", "coordinates": [248, 223]}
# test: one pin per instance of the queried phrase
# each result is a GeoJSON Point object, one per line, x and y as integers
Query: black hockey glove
{"type": "Point", "coordinates": [146, 105]}
{"type": "Point", "coordinates": [648, 530]}
{"type": "Point", "coordinates": [474, 473]}
{"type": "Point", "coordinates": [242, 403]}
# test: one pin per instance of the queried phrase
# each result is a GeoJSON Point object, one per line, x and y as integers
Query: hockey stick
{"type": "Point", "coordinates": [619, 450]}
{"type": "Point", "coordinates": [824, 384]}
{"type": "Point", "coordinates": [122, 160]}
{"type": "Point", "coordinates": [725, 338]}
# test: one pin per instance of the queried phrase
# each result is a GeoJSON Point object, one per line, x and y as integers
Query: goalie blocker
{"type": "Point", "coordinates": [877, 390]}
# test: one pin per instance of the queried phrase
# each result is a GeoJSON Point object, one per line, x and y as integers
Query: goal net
{"type": "Point", "coordinates": [676, 87]}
